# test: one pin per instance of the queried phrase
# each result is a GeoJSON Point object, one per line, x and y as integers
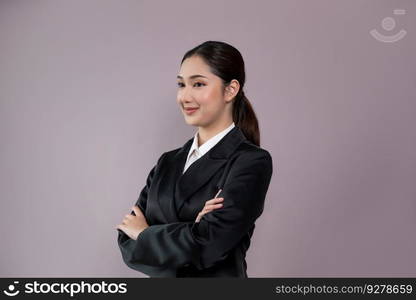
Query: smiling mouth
{"type": "Point", "coordinates": [191, 110]}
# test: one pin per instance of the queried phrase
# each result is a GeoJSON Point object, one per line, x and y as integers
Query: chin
{"type": "Point", "coordinates": [191, 122]}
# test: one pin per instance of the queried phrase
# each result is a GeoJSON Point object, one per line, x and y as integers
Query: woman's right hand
{"type": "Point", "coordinates": [210, 205]}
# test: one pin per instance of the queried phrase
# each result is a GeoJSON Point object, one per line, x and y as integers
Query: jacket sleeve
{"type": "Point", "coordinates": [127, 245]}
{"type": "Point", "coordinates": [205, 243]}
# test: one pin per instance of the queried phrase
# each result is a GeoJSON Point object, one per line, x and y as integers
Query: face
{"type": "Point", "coordinates": [199, 88]}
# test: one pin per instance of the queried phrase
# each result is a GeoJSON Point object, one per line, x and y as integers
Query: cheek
{"type": "Point", "coordinates": [178, 97]}
{"type": "Point", "coordinates": [210, 99]}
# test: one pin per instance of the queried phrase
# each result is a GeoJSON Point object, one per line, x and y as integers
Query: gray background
{"type": "Point", "coordinates": [88, 104]}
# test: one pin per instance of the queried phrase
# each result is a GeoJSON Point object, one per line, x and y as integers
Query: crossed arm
{"type": "Point", "coordinates": [203, 243]}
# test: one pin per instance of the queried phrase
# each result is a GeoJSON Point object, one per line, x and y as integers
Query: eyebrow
{"type": "Point", "coordinates": [192, 77]}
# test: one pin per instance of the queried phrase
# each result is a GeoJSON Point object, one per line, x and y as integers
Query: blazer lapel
{"type": "Point", "coordinates": [175, 188]}
{"type": "Point", "coordinates": [171, 170]}
{"type": "Point", "coordinates": [201, 171]}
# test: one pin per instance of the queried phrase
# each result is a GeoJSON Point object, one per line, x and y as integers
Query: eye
{"type": "Point", "coordinates": [201, 84]}
{"type": "Point", "coordinates": [196, 84]}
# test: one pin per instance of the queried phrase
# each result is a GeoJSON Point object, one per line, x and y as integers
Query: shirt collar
{"type": "Point", "coordinates": [205, 147]}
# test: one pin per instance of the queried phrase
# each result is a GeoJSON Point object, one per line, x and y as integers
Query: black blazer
{"type": "Point", "coordinates": [174, 245]}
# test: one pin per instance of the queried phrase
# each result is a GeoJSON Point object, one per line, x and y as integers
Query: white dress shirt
{"type": "Point", "coordinates": [196, 152]}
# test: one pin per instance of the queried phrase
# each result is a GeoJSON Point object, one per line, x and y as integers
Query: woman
{"type": "Point", "coordinates": [179, 227]}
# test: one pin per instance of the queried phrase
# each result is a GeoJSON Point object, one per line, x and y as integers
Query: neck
{"type": "Point", "coordinates": [207, 132]}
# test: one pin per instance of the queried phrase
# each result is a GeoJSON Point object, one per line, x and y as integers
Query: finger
{"type": "Point", "coordinates": [205, 211]}
{"type": "Point", "coordinates": [215, 200]}
{"type": "Point", "coordinates": [212, 206]}
{"type": "Point", "coordinates": [121, 227]}
{"type": "Point", "coordinates": [137, 210]}
{"type": "Point", "coordinates": [216, 205]}
{"type": "Point", "coordinates": [219, 191]}
{"type": "Point", "coordinates": [199, 216]}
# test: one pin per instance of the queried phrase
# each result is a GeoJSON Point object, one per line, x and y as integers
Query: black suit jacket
{"type": "Point", "coordinates": [174, 245]}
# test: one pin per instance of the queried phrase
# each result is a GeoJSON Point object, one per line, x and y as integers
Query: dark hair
{"type": "Point", "coordinates": [226, 62]}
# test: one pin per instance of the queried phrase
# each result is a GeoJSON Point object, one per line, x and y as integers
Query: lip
{"type": "Point", "coordinates": [190, 110]}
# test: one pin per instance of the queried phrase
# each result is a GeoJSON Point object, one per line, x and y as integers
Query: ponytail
{"type": "Point", "coordinates": [245, 118]}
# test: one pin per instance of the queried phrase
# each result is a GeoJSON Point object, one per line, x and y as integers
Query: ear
{"type": "Point", "coordinates": [231, 90]}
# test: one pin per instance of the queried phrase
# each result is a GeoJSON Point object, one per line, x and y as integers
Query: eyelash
{"type": "Point", "coordinates": [181, 84]}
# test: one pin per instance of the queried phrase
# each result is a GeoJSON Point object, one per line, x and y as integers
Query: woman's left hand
{"type": "Point", "coordinates": [133, 225]}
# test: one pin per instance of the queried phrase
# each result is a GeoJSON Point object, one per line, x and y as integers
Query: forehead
{"type": "Point", "coordinates": [192, 66]}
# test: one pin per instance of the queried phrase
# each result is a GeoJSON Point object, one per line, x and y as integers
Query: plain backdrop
{"type": "Point", "coordinates": [88, 105]}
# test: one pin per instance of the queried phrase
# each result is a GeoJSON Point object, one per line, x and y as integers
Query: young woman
{"type": "Point", "coordinates": [196, 214]}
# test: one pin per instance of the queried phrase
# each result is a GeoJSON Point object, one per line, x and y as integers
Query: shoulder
{"type": "Point", "coordinates": [249, 163]}
{"type": "Point", "coordinates": [249, 158]}
{"type": "Point", "coordinates": [169, 153]}
{"type": "Point", "coordinates": [248, 150]}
